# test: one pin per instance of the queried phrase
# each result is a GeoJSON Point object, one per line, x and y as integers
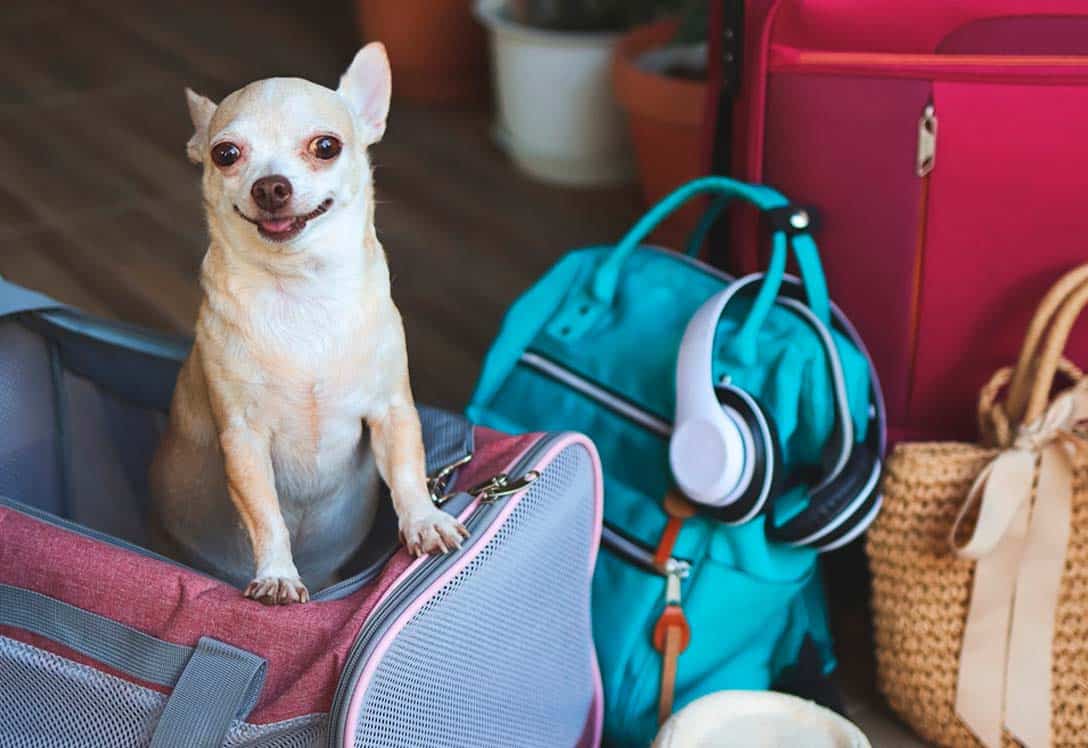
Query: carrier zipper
{"type": "Point", "coordinates": [381, 618]}
{"type": "Point", "coordinates": [492, 489]}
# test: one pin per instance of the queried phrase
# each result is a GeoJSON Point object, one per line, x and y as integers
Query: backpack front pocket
{"type": "Point", "coordinates": [741, 627]}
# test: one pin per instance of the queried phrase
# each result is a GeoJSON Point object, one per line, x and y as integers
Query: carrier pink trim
{"type": "Point", "coordinates": [512, 502]}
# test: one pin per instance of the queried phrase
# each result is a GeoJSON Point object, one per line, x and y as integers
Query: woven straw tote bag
{"type": "Point", "coordinates": [979, 558]}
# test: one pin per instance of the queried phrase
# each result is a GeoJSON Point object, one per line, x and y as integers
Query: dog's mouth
{"type": "Point", "coordinates": [281, 229]}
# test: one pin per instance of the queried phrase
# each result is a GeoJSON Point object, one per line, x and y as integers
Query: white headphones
{"type": "Point", "coordinates": [724, 450]}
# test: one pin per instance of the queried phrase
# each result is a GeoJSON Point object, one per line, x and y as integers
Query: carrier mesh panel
{"type": "Point", "coordinates": [47, 701]}
{"type": "Point", "coordinates": [501, 655]}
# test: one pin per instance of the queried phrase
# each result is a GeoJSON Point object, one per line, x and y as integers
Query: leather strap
{"type": "Point", "coordinates": [671, 634]}
{"type": "Point", "coordinates": [673, 637]}
{"type": "Point", "coordinates": [679, 509]}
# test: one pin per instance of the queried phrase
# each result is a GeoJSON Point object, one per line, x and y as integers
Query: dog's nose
{"type": "Point", "coordinates": [271, 193]}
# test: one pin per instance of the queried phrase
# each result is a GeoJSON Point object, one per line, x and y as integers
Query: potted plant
{"type": "Point", "coordinates": [437, 51]}
{"type": "Point", "coordinates": [557, 115]}
{"type": "Point", "coordinates": [659, 74]}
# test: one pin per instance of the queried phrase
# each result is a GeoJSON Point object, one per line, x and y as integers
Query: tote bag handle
{"type": "Point", "coordinates": [1032, 379]}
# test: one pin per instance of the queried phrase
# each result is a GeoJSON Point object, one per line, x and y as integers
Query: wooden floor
{"type": "Point", "coordinates": [99, 206]}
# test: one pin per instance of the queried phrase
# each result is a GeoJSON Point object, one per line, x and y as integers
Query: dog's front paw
{"type": "Point", "coordinates": [277, 590]}
{"type": "Point", "coordinates": [432, 532]}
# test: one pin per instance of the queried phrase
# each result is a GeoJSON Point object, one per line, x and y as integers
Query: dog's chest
{"type": "Point", "coordinates": [321, 374]}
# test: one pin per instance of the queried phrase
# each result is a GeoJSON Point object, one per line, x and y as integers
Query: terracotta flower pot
{"type": "Point", "coordinates": [665, 119]}
{"type": "Point", "coordinates": [436, 49]}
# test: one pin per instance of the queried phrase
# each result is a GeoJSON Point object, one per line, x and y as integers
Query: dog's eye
{"type": "Point", "coordinates": [226, 154]}
{"type": "Point", "coordinates": [325, 147]}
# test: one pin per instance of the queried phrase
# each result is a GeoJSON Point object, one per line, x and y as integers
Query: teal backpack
{"type": "Point", "coordinates": [592, 347]}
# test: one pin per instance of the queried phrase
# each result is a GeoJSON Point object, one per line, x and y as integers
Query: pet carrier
{"type": "Point", "coordinates": [105, 643]}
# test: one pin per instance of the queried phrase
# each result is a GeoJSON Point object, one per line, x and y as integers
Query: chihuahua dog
{"type": "Point", "coordinates": [265, 473]}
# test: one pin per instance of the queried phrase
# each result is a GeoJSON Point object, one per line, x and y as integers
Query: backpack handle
{"type": "Point", "coordinates": [607, 277]}
{"type": "Point", "coordinates": [605, 280]}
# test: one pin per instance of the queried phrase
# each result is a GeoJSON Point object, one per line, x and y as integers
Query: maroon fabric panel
{"type": "Point", "coordinates": [305, 645]}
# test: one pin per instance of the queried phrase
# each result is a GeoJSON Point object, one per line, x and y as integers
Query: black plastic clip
{"type": "Point", "coordinates": [794, 219]}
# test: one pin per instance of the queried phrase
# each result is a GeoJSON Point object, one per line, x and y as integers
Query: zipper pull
{"type": "Point", "coordinates": [671, 634]}
{"type": "Point", "coordinates": [675, 572]}
{"type": "Point", "coordinates": [502, 485]}
{"type": "Point", "coordinates": [927, 142]}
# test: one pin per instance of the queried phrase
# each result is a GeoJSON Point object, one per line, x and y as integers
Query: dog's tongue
{"type": "Point", "coordinates": [278, 226]}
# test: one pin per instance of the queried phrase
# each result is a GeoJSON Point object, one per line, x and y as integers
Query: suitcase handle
{"type": "Point", "coordinates": [919, 26]}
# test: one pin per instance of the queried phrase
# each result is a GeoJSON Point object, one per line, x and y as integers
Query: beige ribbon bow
{"type": "Point", "coordinates": [1019, 543]}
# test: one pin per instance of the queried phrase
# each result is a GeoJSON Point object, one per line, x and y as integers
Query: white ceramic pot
{"type": "Point", "coordinates": [757, 719]}
{"type": "Point", "coordinates": [556, 114]}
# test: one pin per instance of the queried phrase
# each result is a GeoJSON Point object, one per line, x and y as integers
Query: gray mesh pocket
{"type": "Point", "coordinates": [502, 654]}
{"type": "Point", "coordinates": [48, 701]}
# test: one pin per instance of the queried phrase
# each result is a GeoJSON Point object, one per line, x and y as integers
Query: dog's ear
{"type": "Point", "coordinates": [201, 109]}
{"type": "Point", "coordinates": [366, 85]}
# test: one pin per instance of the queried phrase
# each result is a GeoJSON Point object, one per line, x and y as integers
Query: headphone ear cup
{"type": "Point", "coordinates": [839, 511]}
{"type": "Point", "coordinates": [766, 460]}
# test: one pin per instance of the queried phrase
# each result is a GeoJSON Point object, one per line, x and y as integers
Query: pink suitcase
{"type": "Point", "coordinates": [943, 142]}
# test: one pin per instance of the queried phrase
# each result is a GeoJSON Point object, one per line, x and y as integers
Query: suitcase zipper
{"type": "Point", "coordinates": [379, 620]}
{"type": "Point", "coordinates": [925, 161]}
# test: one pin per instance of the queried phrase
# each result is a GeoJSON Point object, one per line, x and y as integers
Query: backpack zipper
{"type": "Point", "coordinates": [615, 403]}
{"type": "Point", "coordinates": [639, 554]}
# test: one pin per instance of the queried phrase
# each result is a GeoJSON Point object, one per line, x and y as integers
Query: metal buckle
{"type": "Point", "coordinates": [501, 485]}
{"type": "Point", "coordinates": [437, 483]}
